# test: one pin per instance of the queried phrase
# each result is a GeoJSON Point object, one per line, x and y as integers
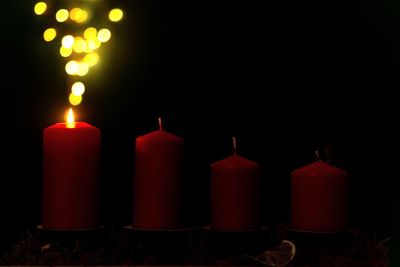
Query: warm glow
{"type": "Point", "coordinates": [72, 67]}
{"type": "Point", "coordinates": [104, 35]}
{"type": "Point", "coordinates": [40, 8]}
{"type": "Point", "coordinates": [75, 13]}
{"type": "Point", "coordinates": [91, 59]}
{"type": "Point", "coordinates": [70, 119]}
{"type": "Point", "coordinates": [67, 41]}
{"type": "Point", "coordinates": [88, 49]}
{"type": "Point", "coordinates": [78, 88]}
{"type": "Point", "coordinates": [70, 116]}
{"type": "Point", "coordinates": [49, 34]}
{"type": "Point", "coordinates": [65, 52]}
{"type": "Point", "coordinates": [78, 29]}
{"type": "Point", "coordinates": [115, 14]}
{"type": "Point", "coordinates": [79, 15]}
{"type": "Point", "coordinates": [75, 99]}
{"type": "Point", "coordinates": [62, 15]}
{"type": "Point", "coordinates": [82, 16]}
{"type": "Point", "coordinates": [79, 45]}
{"type": "Point", "coordinates": [83, 69]}
{"type": "Point", "coordinates": [90, 33]}
{"type": "Point", "coordinates": [93, 44]}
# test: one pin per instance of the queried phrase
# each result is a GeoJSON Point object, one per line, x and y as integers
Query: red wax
{"type": "Point", "coordinates": [319, 198]}
{"type": "Point", "coordinates": [157, 181]}
{"type": "Point", "coordinates": [235, 194]}
{"type": "Point", "coordinates": [70, 176]}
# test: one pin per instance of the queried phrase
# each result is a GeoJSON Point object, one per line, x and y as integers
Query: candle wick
{"type": "Point", "coordinates": [317, 154]}
{"type": "Point", "coordinates": [160, 123]}
{"type": "Point", "coordinates": [234, 145]}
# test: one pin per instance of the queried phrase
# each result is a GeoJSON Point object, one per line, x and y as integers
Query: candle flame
{"type": "Point", "coordinates": [70, 119]}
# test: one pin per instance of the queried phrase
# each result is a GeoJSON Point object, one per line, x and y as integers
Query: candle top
{"type": "Point", "coordinates": [159, 135]}
{"type": "Point", "coordinates": [235, 161]}
{"type": "Point", "coordinates": [69, 125]}
{"type": "Point", "coordinates": [70, 122]}
{"type": "Point", "coordinates": [320, 168]}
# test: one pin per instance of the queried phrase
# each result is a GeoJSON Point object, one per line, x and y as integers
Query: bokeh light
{"type": "Point", "coordinates": [78, 88]}
{"type": "Point", "coordinates": [115, 14]}
{"type": "Point", "coordinates": [40, 8]}
{"type": "Point", "coordinates": [104, 35]}
{"type": "Point", "coordinates": [79, 15]}
{"type": "Point", "coordinates": [79, 44]}
{"type": "Point", "coordinates": [65, 52]}
{"type": "Point", "coordinates": [83, 69]}
{"type": "Point", "coordinates": [75, 99]}
{"type": "Point", "coordinates": [91, 59]}
{"type": "Point", "coordinates": [93, 44]}
{"type": "Point", "coordinates": [62, 15]}
{"type": "Point", "coordinates": [75, 13]}
{"type": "Point", "coordinates": [67, 41]}
{"type": "Point", "coordinates": [90, 33]}
{"type": "Point", "coordinates": [72, 67]}
{"type": "Point", "coordinates": [49, 34]}
{"type": "Point", "coordinates": [79, 36]}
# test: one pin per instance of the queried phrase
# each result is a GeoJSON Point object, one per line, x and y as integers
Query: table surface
{"type": "Point", "coordinates": [116, 246]}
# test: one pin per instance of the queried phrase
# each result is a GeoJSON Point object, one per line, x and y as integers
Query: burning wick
{"type": "Point", "coordinates": [70, 119]}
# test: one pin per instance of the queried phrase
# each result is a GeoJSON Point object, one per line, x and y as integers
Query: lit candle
{"type": "Point", "coordinates": [71, 154]}
{"type": "Point", "coordinates": [235, 193]}
{"type": "Point", "coordinates": [319, 198]}
{"type": "Point", "coordinates": [157, 180]}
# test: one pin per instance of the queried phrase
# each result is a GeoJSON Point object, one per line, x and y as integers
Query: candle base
{"type": "Point", "coordinates": [131, 228]}
{"type": "Point", "coordinates": [296, 230]}
{"type": "Point", "coordinates": [244, 230]}
{"type": "Point", "coordinates": [51, 234]}
{"type": "Point", "coordinates": [317, 243]}
{"type": "Point", "coordinates": [230, 243]}
{"type": "Point", "coordinates": [40, 227]}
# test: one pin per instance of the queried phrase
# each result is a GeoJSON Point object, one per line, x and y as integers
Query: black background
{"type": "Point", "coordinates": [286, 78]}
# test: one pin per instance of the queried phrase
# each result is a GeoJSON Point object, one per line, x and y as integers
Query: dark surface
{"type": "Point", "coordinates": [286, 78]}
{"type": "Point", "coordinates": [196, 246]}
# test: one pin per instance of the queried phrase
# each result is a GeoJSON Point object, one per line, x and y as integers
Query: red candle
{"type": "Point", "coordinates": [71, 154]}
{"type": "Point", "coordinates": [319, 198]}
{"type": "Point", "coordinates": [235, 193]}
{"type": "Point", "coordinates": [157, 180]}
